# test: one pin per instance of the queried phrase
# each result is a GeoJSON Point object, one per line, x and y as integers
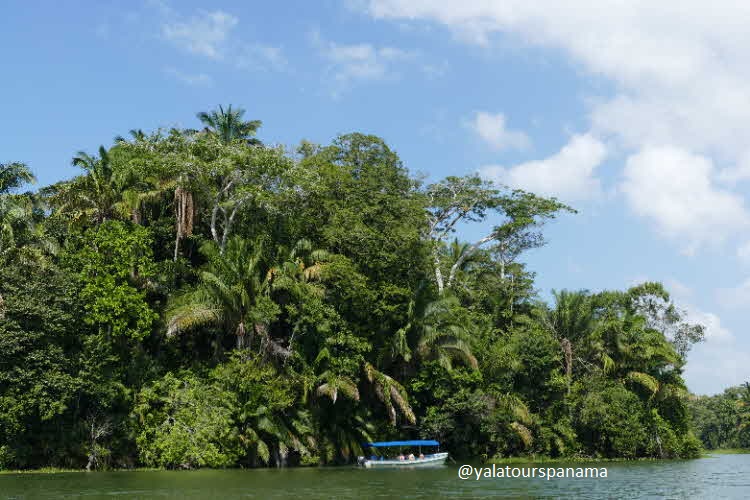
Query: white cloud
{"type": "Point", "coordinates": [678, 65]}
{"type": "Point", "coordinates": [743, 252]}
{"type": "Point", "coordinates": [360, 62]}
{"type": "Point", "coordinates": [736, 297]}
{"type": "Point", "coordinates": [674, 188]}
{"type": "Point", "coordinates": [712, 367]}
{"type": "Point", "coordinates": [569, 174]}
{"type": "Point", "coordinates": [204, 34]}
{"type": "Point", "coordinates": [258, 56]}
{"type": "Point", "coordinates": [715, 331]}
{"type": "Point", "coordinates": [491, 128]}
{"type": "Point", "coordinates": [194, 80]}
{"type": "Point", "coordinates": [363, 61]}
{"type": "Point", "coordinates": [738, 172]}
{"type": "Point", "coordinates": [678, 75]}
{"type": "Point", "coordinates": [212, 35]}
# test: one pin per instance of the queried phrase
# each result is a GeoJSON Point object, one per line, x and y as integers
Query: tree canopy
{"type": "Point", "coordinates": [197, 298]}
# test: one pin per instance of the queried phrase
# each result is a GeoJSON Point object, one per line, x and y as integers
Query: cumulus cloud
{"type": "Point", "coordinates": [715, 331]}
{"type": "Point", "coordinates": [492, 129]}
{"type": "Point", "coordinates": [678, 66]}
{"type": "Point", "coordinates": [679, 78]}
{"type": "Point", "coordinates": [204, 34]}
{"type": "Point", "coordinates": [570, 174]}
{"type": "Point", "coordinates": [674, 189]}
{"type": "Point", "coordinates": [362, 61]}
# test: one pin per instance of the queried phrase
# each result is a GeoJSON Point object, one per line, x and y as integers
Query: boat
{"type": "Point", "coordinates": [417, 459]}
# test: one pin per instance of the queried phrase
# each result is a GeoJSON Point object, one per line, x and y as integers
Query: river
{"type": "Point", "coordinates": [718, 476]}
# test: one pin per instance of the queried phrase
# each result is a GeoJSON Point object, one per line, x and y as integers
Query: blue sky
{"type": "Point", "coordinates": [632, 113]}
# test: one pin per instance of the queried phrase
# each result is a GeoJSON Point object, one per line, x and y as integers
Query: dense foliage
{"type": "Point", "coordinates": [723, 420]}
{"type": "Point", "coordinates": [195, 298]}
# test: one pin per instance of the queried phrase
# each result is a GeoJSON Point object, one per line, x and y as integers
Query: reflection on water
{"type": "Point", "coordinates": [721, 476]}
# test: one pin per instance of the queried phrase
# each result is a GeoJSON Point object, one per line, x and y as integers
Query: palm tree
{"type": "Point", "coordinates": [435, 329]}
{"type": "Point", "coordinates": [571, 319]}
{"type": "Point", "coordinates": [229, 126]}
{"type": "Point", "coordinates": [15, 214]}
{"type": "Point", "coordinates": [22, 236]}
{"type": "Point", "coordinates": [100, 194]}
{"type": "Point", "coordinates": [232, 293]}
{"type": "Point", "coordinates": [14, 175]}
{"type": "Point", "coordinates": [392, 394]}
{"type": "Point", "coordinates": [15, 210]}
{"type": "Point", "coordinates": [136, 134]}
{"type": "Point", "coordinates": [177, 184]}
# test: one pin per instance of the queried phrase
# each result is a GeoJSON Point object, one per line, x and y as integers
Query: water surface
{"type": "Point", "coordinates": [720, 476]}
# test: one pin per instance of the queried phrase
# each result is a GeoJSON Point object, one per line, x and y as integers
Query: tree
{"type": "Point", "coordinates": [569, 321]}
{"type": "Point", "coordinates": [232, 293]}
{"type": "Point", "coordinates": [652, 301]}
{"type": "Point", "coordinates": [186, 422]}
{"type": "Point", "coordinates": [436, 328]}
{"type": "Point", "coordinates": [114, 262]}
{"type": "Point", "coordinates": [15, 210]}
{"type": "Point", "coordinates": [229, 126]}
{"type": "Point", "coordinates": [352, 302]}
{"type": "Point", "coordinates": [459, 200]}
{"type": "Point", "coordinates": [102, 193]}
{"type": "Point", "coordinates": [14, 175]}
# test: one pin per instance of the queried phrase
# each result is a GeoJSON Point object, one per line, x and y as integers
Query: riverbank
{"type": "Point", "coordinates": [59, 470]}
{"type": "Point", "coordinates": [499, 461]}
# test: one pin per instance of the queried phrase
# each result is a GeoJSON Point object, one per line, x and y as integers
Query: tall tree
{"type": "Point", "coordinates": [232, 293]}
{"type": "Point", "coordinates": [570, 320]}
{"type": "Point", "coordinates": [455, 201]}
{"type": "Point", "coordinates": [437, 328]}
{"type": "Point", "coordinates": [228, 124]}
{"type": "Point", "coordinates": [102, 193]}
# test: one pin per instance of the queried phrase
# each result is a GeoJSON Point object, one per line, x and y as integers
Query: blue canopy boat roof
{"type": "Point", "coordinates": [383, 444]}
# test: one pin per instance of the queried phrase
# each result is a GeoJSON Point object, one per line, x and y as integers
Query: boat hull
{"type": "Point", "coordinates": [428, 461]}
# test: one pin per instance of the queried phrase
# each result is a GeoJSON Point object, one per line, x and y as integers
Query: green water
{"type": "Point", "coordinates": [721, 476]}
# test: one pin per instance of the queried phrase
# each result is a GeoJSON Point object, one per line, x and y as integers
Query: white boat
{"type": "Point", "coordinates": [427, 461]}
{"type": "Point", "coordinates": [414, 459]}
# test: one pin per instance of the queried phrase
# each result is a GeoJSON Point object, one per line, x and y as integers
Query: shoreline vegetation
{"type": "Point", "coordinates": [196, 298]}
{"type": "Point", "coordinates": [519, 460]}
{"type": "Point", "coordinates": [498, 461]}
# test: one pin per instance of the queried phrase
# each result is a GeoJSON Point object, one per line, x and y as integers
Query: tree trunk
{"type": "Point", "coordinates": [176, 246]}
{"type": "Point", "coordinates": [567, 348]}
{"type": "Point", "coordinates": [240, 333]}
{"type": "Point", "coordinates": [438, 273]}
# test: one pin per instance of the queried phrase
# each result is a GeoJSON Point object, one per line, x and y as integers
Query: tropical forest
{"type": "Point", "coordinates": [197, 298]}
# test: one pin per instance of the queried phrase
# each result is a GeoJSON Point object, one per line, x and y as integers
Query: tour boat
{"type": "Point", "coordinates": [411, 460]}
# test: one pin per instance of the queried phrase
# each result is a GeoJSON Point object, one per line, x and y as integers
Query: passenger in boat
{"type": "Point", "coordinates": [421, 456]}
{"type": "Point", "coordinates": [401, 457]}
{"type": "Point", "coordinates": [411, 456]}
